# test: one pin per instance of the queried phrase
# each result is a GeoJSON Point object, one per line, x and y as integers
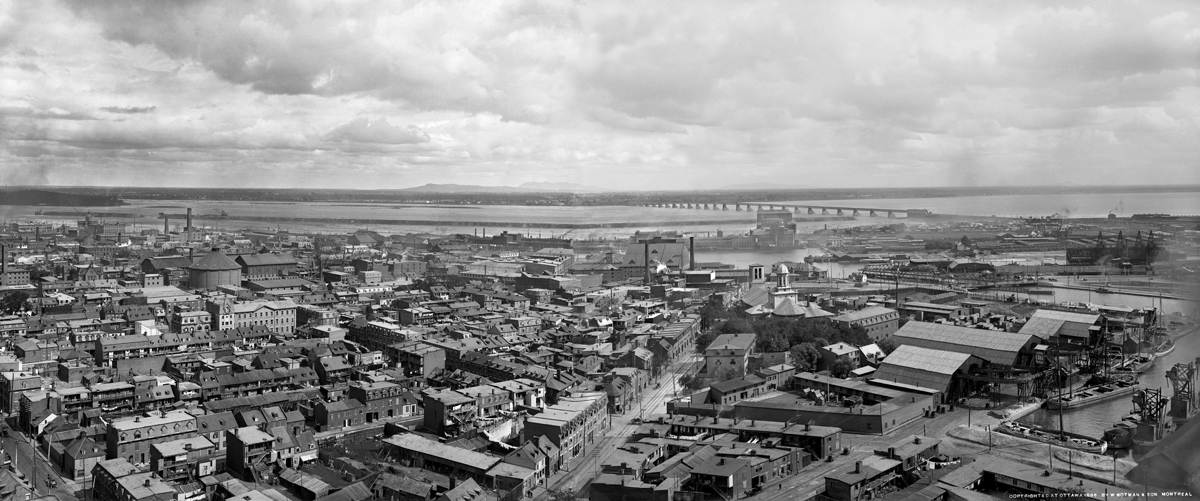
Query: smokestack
{"type": "Point", "coordinates": [3, 259]}
{"type": "Point", "coordinates": [37, 233]}
{"type": "Point", "coordinates": [692, 252]}
{"type": "Point", "coordinates": [646, 258]}
{"type": "Point", "coordinates": [166, 224]}
{"type": "Point", "coordinates": [189, 219]}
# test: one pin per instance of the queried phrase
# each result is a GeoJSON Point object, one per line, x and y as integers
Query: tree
{"type": "Point", "coordinates": [887, 345]}
{"type": "Point", "coordinates": [805, 356]}
{"type": "Point", "coordinates": [735, 326]}
{"type": "Point", "coordinates": [14, 302]}
{"type": "Point", "coordinates": [841, 369]}
{"type": "Point", "coordinates": [690, 382]}
{"type": "Point", "coordinates": [704, 339]}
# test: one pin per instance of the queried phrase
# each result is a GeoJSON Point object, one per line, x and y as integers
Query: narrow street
{"type": "Point", "coordinates": [37, 470]}
{"type": "Point", "coordinates": [654, 400]}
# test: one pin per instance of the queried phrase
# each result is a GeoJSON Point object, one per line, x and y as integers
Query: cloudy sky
{"type": "Point", "coordinates": [664, 94]}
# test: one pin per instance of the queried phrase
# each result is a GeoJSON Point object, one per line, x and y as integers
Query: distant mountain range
{"type": "Point", "coordinates": [523, 188]}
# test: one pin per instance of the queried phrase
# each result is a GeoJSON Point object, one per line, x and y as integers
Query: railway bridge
{"type": "Point", "coordinates": [796, 208]}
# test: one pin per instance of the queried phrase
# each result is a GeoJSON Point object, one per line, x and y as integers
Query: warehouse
{"type": "Point", "coordinates": [994, 347]}
{"type": "Point", "coordinates": [926, 368]}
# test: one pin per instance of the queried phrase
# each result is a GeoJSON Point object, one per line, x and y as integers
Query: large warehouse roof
{"type": "Point", "coordinates": [993, 346]}
{"type": "Point", "coordinates": [1049, 323]}
{"type": "Point", "coordinates": [923, 367]}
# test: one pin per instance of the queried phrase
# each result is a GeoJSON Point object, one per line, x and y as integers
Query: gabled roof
{"type": "Point", "coordinates": [993, 346]}
{"type": "Point", "coordinates": [266, 259]}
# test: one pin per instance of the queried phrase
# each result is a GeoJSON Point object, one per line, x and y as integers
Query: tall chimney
{"type": "Point", "coordinates": [3, 258]}
{"type": "Point", "coordinates": [692, 252]}
{"type": "Point", "coordinates": [189, 219]}
{"type": "Point", "coordinates": [166, 224]}
{"type": "Point", "coordinates": [646, 258]}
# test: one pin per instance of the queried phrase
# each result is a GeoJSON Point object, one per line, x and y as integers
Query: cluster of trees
{"type": "Point", "coordinates": [14, 303]}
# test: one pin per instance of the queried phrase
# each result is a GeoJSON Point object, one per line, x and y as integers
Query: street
{"type": "Point", "coordinates": [35, 469]}
{"type": "Point", "coordinates": [654, 400]}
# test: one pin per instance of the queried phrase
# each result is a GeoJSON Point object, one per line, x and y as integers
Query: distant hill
{"type": "Point", "coordinates": [43, 197]}
{"type": "Point", "coordinates": [464, 188]}
{"type": "Point", "coordinates": [571, 187]}
{"type": "Point", "coordinates": [524, 188]}
{"type": "Point", "coordinates": [761, 186]}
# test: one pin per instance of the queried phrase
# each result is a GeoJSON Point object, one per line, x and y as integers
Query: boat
{"type": "Point", "coordinates": [1104, 290]}
{"type": "Point", "coordinates": [1060, 438]}
{"type": "Point", "coordinates": [1120, 436]}
{"type": "Point", "coordinates": [1164, 349]}
{"type": "Point", "coordinates": [1092, 394]}
{"type": "Point", "coordinates": [1135, 365]}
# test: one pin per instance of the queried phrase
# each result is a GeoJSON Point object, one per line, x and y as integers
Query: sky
{"type": "Point", "coordinates": [620, 95]}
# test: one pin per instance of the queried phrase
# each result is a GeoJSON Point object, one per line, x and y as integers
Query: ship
{"type": "Point", "coordinates": [1093, 394]}
{"type": "Point", "coordinates": [1064, 439]}
{"type": "Point", "coordinates": [1163, 349]}
{"type": "Point", "coordinates": [1154, 216]}
{"type": "Point", "coordinates": [1104, 290]}
{"type": "Point", "coordinates": [1135, 365]}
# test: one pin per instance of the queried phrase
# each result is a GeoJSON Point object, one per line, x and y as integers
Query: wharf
{"type": "Point", "coordinates": [1126, 292]}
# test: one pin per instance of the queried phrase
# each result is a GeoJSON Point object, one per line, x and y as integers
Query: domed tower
{"type": "Point", "coordinates": [213, 270]}
{"type": "Point", "coordinates": [781, 276]}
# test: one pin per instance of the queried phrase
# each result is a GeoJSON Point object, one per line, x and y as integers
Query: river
{"type": "Point", "coordinates": [344, 217]}
{"type": "Point", "coordinates": [1097, 418]}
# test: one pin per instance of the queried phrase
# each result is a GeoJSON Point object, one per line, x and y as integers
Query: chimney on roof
{"type": "Point", "coordinates": [147, 482]}
{"type": "Point", "coordinates": [891, 453]}
{"type": "Point", "coordinates": [808, 426]}
{"type": "Point", "coordinates": [917, 440]}
{"type": "Point", "coordinates": [646, 258]}
{"type": "Point", "coordinates": [858, 467]}
{"type": "Point", "coordinates": [692, 252]}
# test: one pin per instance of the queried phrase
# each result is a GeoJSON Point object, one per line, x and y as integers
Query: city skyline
{"type": "Point", "coordinates": [615, 96]}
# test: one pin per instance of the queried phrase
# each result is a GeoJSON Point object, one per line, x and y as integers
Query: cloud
{"type": "Point", "coordinates": [859, 92]}
{"type": "Point", "coordinates": [129, 110]}
{"type": "Point", "coordinates": [363, 130]}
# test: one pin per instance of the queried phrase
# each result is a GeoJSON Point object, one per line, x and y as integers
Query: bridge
{"type": "Point", "coordinates": [796, 208]}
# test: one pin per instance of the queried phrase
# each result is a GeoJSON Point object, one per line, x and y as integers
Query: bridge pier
{"type": "Point", "coordinates": [855, 213]}
{"type": "Point", "coordinates": [811, 211]}
{"type": "Point", "coordinates": [759, 208]}
{"type": "Point", "coordinates": [737, 207]}
{"type": "Point", "coordinates": [705, 206]}
{"type": "Point", "coordinates": [824, 210]}
{"type": "Point", "coordinates": [873, 214]}
{"type": "Point", "coordinates": [891, 214]}
{"type": "Point", "coordinates": [840, 213]}
{"type": "Point", "coordinates": [724, 206]}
